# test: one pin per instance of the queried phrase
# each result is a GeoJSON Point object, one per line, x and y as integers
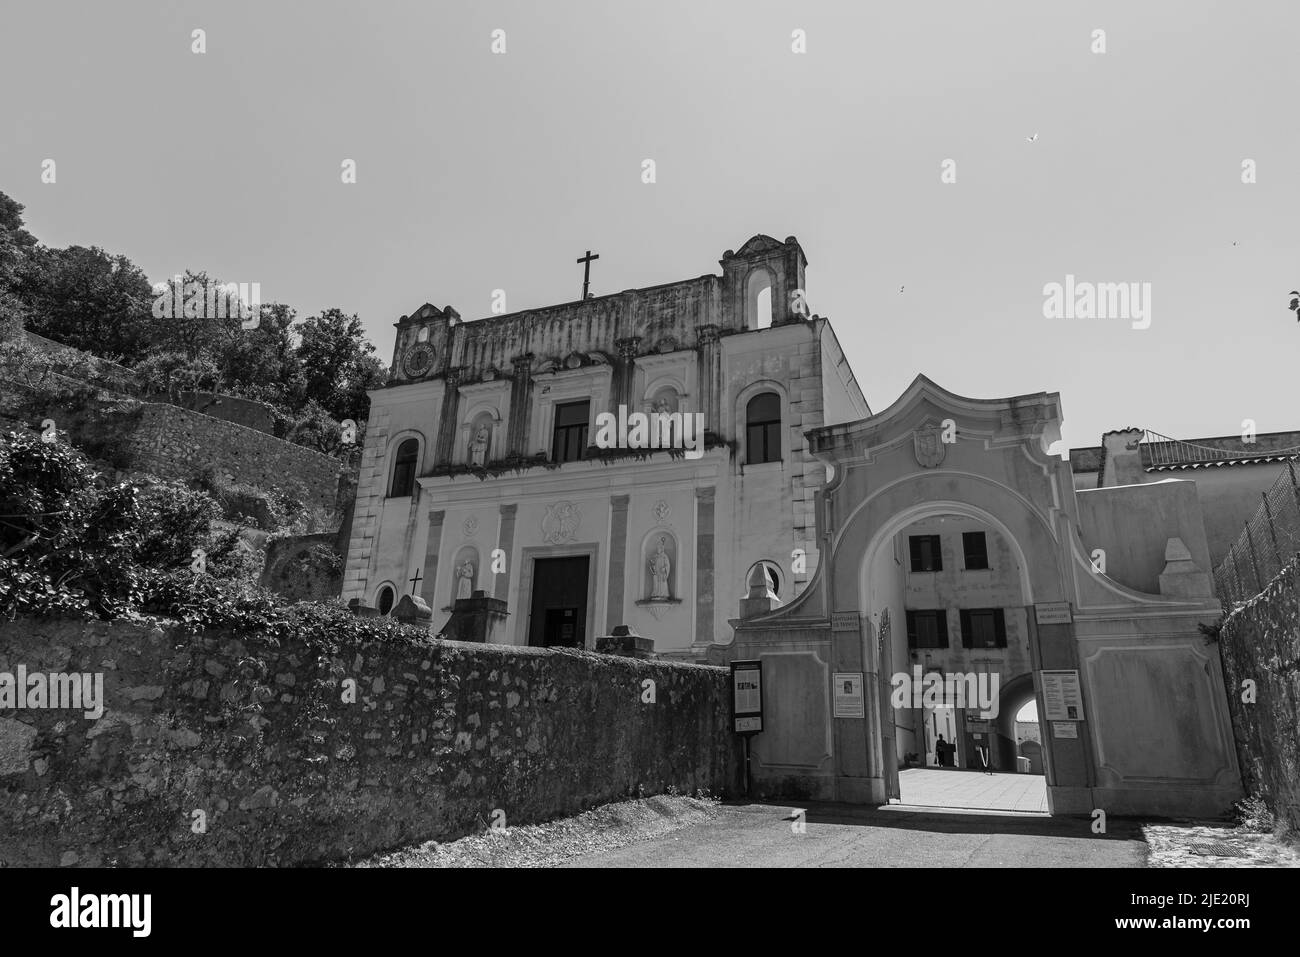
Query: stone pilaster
{"type": "Point", "coordinates": [625, 371]}
{"type": "Point", "coordinates": [617, 561]}
{"type": "Point", "coordinates": [710, 367]}
{"type": "Point", "coordinates": [520, 405]}
{"type": "Point", "coordinates": [432, 546]}
{"type": "Point", "coordinates": [506, 543]}
{"type": "Point", "coordinates": [372, 486]}
{"type": "Point", "coordinates": [448, 427]}
{"type": "Point", "coordinates": [704, 547]}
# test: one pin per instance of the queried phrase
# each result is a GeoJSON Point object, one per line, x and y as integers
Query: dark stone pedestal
{"type": "Point", "coordinates": [626, 642]}
{"type": "Point", "coordinates": [477, 618]}
{"type": "Point", "coordinates": [413, 610]}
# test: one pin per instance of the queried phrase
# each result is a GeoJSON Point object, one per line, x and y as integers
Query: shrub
{"type": "Point", "coordinates": [71, 542]}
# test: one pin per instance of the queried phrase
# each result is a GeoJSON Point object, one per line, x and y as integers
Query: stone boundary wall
{"type": "Point", "coordinates": [250, 413]}
{"type": "Point", "coordinates": [1260, 640]}
{"type": "Point", "coordinates": [177, 443]}
{"type": "Point", "coordinates": [254, 734]}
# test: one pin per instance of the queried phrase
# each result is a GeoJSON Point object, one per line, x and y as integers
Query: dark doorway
{"type": "Point", "coordinates": [559, 612]}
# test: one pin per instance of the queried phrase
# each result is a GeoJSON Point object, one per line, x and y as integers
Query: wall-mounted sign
{"type": "Point", "coordinates": [747, 696]}
{"type": "Point", "coordinates": [1062, 699]}
{"type": "Point", "coordinates": [844, 621]}
{"type": "Point", "coordinates": [1053, 613]}
{"type": "Point", "coordinates": [849, 701]}
{"type": "Point", "coordinates": [1065, 729]}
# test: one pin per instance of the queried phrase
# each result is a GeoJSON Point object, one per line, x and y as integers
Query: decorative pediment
{"type": "Point", "coordinates": [758, 245]}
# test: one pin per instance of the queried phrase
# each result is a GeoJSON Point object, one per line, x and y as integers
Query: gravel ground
{"type": "Point", "coordinates": [1194, 844]}
{"type": "Point", "coordinates": [546, 845]}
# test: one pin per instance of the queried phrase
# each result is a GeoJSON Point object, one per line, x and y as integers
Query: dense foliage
{"type": "Point", "coordinates": [75, 544]}
{"type": "Point", "coordinates": [314, 372]}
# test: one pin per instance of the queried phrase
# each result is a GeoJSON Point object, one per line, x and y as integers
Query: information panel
{"type": "Point", "coordinates": [747, 696]}
{"type": "Point", "coordinates": [1062, 699]}
{"type": "Point", "coordinates": [849, 701]}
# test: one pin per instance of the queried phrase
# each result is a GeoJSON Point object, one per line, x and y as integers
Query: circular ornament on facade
{"type": "Point", "coordinates": [418, 360]}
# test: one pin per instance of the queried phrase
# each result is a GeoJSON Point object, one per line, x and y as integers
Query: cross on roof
{"type": "Point", "coordinates": [586, 270]}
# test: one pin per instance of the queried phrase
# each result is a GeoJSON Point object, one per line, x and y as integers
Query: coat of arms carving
{"type": "Point", "coordinates": [929, 445]}
{"type": "Point", "coordinates": [560, 525]}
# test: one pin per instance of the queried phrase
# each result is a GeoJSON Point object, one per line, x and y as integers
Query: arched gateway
{"type": "Point", "coordinates": [955, 546]}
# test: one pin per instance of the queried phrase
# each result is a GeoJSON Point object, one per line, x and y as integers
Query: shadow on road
{"type": "Point", "coordinates": [903, 817]}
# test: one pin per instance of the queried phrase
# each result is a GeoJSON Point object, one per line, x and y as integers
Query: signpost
{"type": "Point", "coordinates": [747, 704]}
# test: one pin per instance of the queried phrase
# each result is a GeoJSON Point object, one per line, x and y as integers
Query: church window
{"type": "Point", "coordinates": [763, 429]}
{"type": "Point", "coordinates": [404, 469]}
{"type": "Point", "coordinates": [927, 629]}
{"type": "Point", "coordinates": [385, 603]}
{"type": "Point", "coordinates": [569, 440]}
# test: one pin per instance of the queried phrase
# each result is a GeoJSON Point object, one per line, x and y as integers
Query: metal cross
{"type": "Point", "coordinates": [586, 271]}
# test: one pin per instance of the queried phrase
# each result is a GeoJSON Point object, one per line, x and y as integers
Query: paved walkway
{"type": "Point", "coordinates": [973, 790]}
{"type": "Point", "coordinates": [764, 835]}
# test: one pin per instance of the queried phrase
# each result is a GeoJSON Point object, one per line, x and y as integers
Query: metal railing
{"type": "Point", "coordinates": [1268, 541]}
{"type": "Point", "coordinates": [1162, 450]}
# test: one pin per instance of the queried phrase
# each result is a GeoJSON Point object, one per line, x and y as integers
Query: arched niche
{"type": "Point", "coordinates": [466, 573]}
{"type": "Point", "coordinates": [660, 583]}
{"type": "Point", "coordinates": [480, 437]}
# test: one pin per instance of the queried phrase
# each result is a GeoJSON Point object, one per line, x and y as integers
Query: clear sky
{"type": "Point", "coordinates": [478, 171]}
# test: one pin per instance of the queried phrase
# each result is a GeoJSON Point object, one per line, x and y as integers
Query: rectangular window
{"type": "Point", "coordinates": [925, 553]}
{"type": "Point", "coordinates": [927, 629]}
{"type": "Point", "coordinates": [983, 628]}
{"type": "Point", "coordinates": [569, 439]}
{"type": "Point", "coordinates": [976, 547]}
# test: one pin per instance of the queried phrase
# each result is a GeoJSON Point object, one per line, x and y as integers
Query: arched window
{"type": "Point", "coordinates": [404, 469]}
{"type": "Point", "coordinates": [763, 309]}
{"type": "Point", "coordinates": [763, 429]}
{"type": "Point", "coordinates": [385, 602]}
{"type": "Point", "coordinates": [759, 289]}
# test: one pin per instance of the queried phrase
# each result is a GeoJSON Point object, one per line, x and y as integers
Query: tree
{"type": "Point", "coordinates": [85, 298]}
{"type": "Point", "coordinates": [15, 241]}
{"type": "Point", "coordinates": [338, 364]}
{"type": "Point", "coordinates": [261, 363]}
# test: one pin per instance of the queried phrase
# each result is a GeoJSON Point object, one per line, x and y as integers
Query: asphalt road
{"type": "Point", "coordinates": [761, 835]}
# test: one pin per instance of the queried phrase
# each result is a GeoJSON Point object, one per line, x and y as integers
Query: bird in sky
{"type": "Point", "coordinates": [1032, 138]}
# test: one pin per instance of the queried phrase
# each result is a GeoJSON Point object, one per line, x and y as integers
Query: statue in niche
{"type": "Point", "coordinates": [464, 579]}
{"type": "Point", "coordinates": [660, 567]}
{"type": "Point", "coordinates": [478, 446]}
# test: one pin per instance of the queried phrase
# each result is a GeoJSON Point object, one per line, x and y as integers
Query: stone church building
{"type": "Point", "coordinates": [480, 472]}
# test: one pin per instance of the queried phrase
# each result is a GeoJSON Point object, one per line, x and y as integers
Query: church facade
{"type": "Point", "coordinates": [481, 472]}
